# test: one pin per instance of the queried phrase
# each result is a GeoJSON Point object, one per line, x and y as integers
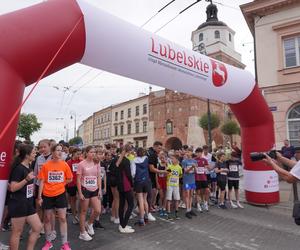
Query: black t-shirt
{"type": "Point", "coordinates": [153, 160]}
{"type": "Point", "coordinates": [222, 175]}
{"type": "Point", "coordinates": [233, 166]}
{"type": "Point", "coordinates": [18, 174]}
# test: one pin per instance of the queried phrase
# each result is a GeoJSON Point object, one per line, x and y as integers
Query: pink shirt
{"type": "Point", "coordinates": [89, 172]}
{"type": "Point", "coordinates": [200, 174]}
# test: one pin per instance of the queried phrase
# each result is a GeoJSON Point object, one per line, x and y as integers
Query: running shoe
{"type": "Point", "coordinates": [48, 245]}
{"type": "Point", "coordinates": [161, 212]}
{"type": "Point", "coordinates": [126, 230]}
{"type": "Point", "coordinates": [65, 246]}
{"type": "Point", "coordinates": [69, 211]}
{"type": "Point", "coordinates": [188, 215]}
{"type": "Point", "coordinates": [206, 206]}
{"type": "Point", "coordinates": [75, 220]}
{"type": "Point", "coordinates": [98, 225]}
{"type": "Point", "coordinates": [239, 205]}
{"type": "Point", "coordinates": [176, 216]}
{"type": "Point", "coordinates": [85, 236]}
{"type": "Point", "coordinates": [3, 246]}
{"type": "Point", "coordinates": [151, 217]}
{"type": "Point", "coordinates": [199, 209]}
{"type": "Point", "coordinates": [117, 221]}
{"type": "Point", "coordinates": [222, 206]}
{"type": "Point", "coordinates": [193, 213]}
{"type": "Point", "coordinates": [233, 205]}
{"type": "Point", "coordinates": [89, 229]}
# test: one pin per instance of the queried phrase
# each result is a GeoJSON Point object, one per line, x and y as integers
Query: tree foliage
{"type": "Point", "coordinates": [230, 128]}
{"type": "Point", "coordinates": [214, 121]}
{"type": "Point", "coordinates": [75, 141]}
{"type": "Point", "coordinates": [28, 124]}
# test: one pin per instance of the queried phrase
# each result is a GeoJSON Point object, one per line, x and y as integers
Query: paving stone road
{"type": "Point", "coordinates": [252, 228]}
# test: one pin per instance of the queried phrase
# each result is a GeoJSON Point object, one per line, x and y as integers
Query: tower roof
{"type": "Point", "coordinates": [212, 17]}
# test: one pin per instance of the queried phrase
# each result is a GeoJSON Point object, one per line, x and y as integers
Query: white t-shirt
{"type": "Point", "coordinates": [296, 170]}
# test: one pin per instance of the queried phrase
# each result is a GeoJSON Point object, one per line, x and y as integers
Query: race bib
{"type": "Point", "coordinates": [192, 171]}
{"type": "Point", "coordinates": [90, 181]}
{"type": "Point", "coordinates": [223, 173]}
{"type": "Point", "coordinates": [56, 177]}
{"type": "Point", "coordinates": [29, 191]}
{"type": "Point", "coordinates": [161, 175]}
{"type": "Point", "coordinates": [173, 181]}
{"type": "Point", "coordinates": [200, 170]}
{"type": "Point", "coordinates": [233, 168]}
{"type": "Point", "coordinates": [74, 167]}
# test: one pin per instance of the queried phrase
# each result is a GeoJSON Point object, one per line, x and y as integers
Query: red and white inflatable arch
{"type": "Point", "coordinates": [29, 38]}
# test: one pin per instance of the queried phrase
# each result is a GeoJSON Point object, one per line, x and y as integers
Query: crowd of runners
{"type": "Point", "coordinates": [52, 181]}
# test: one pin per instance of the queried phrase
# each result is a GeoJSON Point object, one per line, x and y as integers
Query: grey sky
{"type": "Point", "coordinates": [101, 89]}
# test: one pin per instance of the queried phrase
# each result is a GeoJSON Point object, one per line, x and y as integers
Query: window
{"type": "Point", "coordinates": [144, 109]}
{"type": "Point", "coordinates": [121, 130]}
{"type": "Point", "coordinates": [137, 127]}
{"type": "Point", "coordinates": [129, 128]}
{"type": "Point", "coordinates": [169, 127]}
{"type": "Point", "coordinates": [137, 110]}
{"type": "Point", "coordinates": [230, 37]}
{"type": "Point", "coordinates": [144, 143]}
{"type": "Point", "coordinates": [200, 37]}
{"type": "Point", "coordinates": [292, 52]}
{"type": "Point", "coordinates": [144, 126]}
{"type": "Point", "coordinates": [122, 114]}
{"type": "Point", "coordinates": [293, 124]}
{"type": "Point", "coordinates": [136, 144]}
{"type": "Point", "coordinates": [116, 130]}
{"type": "Point", "coordinates": [116, 116]}
{"type": "Point", "coordinates": [129, 113]}
{"type": "Point", "coordinates": [217, 34]}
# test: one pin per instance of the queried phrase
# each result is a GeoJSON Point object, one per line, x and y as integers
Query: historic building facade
{"type": "Point", "coordinates": [102, 126]}
{"type": "Point", "coordinates": [130, 122]}
{"type": "Point", "coordinates": [88, 131]}
{"type": "Point", "coordinates": [275, 26]}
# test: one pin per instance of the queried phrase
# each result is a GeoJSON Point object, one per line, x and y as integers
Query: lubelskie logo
{"type": "Point", "coordinates": [179, 58]}
{"type": "Point", "coordinates": [219, 73]}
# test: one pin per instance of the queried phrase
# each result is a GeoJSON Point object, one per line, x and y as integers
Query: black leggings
{"type": "Point", "coordinates": [124, 217]}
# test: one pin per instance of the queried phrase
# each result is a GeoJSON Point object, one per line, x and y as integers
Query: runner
{"type": "Point", "coordinates": [222, 171]}
{"type": "Point", "coordinates": [21, 200]}
{"type": "Point", "coordinates": [201, 181]}
{"type": "Point", "coordinates": [153, 163]}
{"type": "Point", "coordinates": [72, 186]}
{"type": "Point", "coordinates": [45, 151]}
{"type": "Point", "coordinates": [125, 184]}
{"type": "Point", "coordinates": [162, 183]}
{"type": "Point", "coordinates": [173, 193]}
{"type": "Point", "coordinates": [140, 173]}
{"type": "Point", "coordinates": [89, 191]}
{"type": "Point", "coordinates": [54, 176]}
{"type": "Point", "coordinates": [233, 179]}
{"type": "Point", "coordinates": [107, 194]}
{"type": "Point", "coordinates": [189, 165]}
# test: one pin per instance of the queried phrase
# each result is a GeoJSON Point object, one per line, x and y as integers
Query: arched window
{"type": "Point", "coordinates": [200, 37]}
{"type": "Point", "coordinates": [217, 34]}
{"type": "Point", "coordinates": [230, 37]}
{"type": "Point", "coordinates": [293, 125]}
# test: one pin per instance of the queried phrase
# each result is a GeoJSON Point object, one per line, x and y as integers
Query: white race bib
{"type": "Point", "coordinates": [200, 170]}
{"type": "Point", "coordinates": [29, 191]}
{"type": "Point", "coordinates": [233, 168]}
{"type": "Point", "coordinates": [56, 176]}
{"type": "Point", "coordinates": [74, 167]}
{"type": "Point", "coordinates": [223, 173]}
{"type": "Point", "coordinates": [90, 181]}
{"type": "Point", "coordinates": [173, 181]}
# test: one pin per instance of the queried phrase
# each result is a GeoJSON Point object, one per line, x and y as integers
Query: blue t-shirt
{"type": "Point", "coordinates": [188, 178]}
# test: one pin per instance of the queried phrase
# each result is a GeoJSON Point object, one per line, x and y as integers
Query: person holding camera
{"type": "Point", "coordinates": [289, 176]}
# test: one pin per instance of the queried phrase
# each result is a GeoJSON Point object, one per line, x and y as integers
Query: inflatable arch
{"type": "Point", "coordinates": [84, 33]}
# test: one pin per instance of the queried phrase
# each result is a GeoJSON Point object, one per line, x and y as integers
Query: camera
{"type": "Point", "coordinates": [258, 156]}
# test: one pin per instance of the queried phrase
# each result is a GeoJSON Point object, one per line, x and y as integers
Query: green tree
{"type": "Point", "coordinates": [214, 121]}
{"type": "Point", "coordinates": [28, 124]}
{"type": "Point", "coordinates": [230, 128]}
{"type": "Point", "coordinates": [75, 141]}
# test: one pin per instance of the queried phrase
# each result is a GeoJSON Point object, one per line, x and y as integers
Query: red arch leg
{"type": "Point", "coordinates": [261, 183]}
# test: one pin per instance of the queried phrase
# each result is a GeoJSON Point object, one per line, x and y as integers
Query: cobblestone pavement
{"type": "Point", "coordinates": [252, 228]}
